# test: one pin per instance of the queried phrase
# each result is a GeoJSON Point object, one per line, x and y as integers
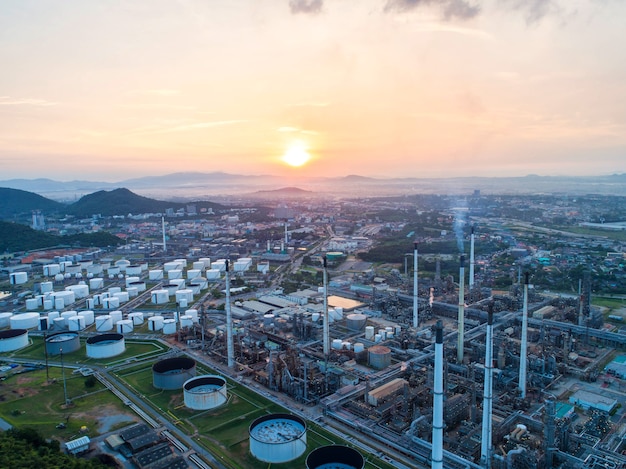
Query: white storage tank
{"type": "Point", "coordinates": [155, 275]}
{"type": "Point", "coordinates": [379, 357]}
{"type": "Point", "coordinates": [170, 266]}
{"type": "Point", "coordinates": [356, 321]}
{"type": "Point", "coordinates": [336, 345]}
{"type": "Point", "coordinates": [132, 292]}
{"type": "Point", "coordinates": [174, 274]}
{"type": "Point", "coordinates": [278, 438]}
{"type": "Point", "coordinates": [169, 326]}
{"type": "Point", "coordinates": [335, 456]}
{"type": "Point", "coordinates": [53, 315]}
{"type": "Point", "coordinates": [13, 339]}
{"type": "Point", "coordinates": [59, 324]}
{"type": "Point", "coordinates": [125, 326]}
{"type": "Point", "coordinates": [122, 296]}
{"type": "Point", "coordinates": [219, 265]}
{"type": "Point", "coordinates": [206, 261]}
{"type": "Point", "coordinates": [80, 291]}
{"type": "Point", "coordinates": [193, 313]}
{"type": "Point", "coordinates": [104, 323]}
{"type": "Point", "coordinates": [18, 278]}
{"type": "Point", "coordinates": [193, 273]}
{"type": "Point", "coordinates": [122, 264]}
{"type": "Point", "coordinates": [155, 323]}
{"type": "Point", "coordinates": [48, 305]}
{"type": "Point", "coordinates": [76, 323]}
{"type": "Point", "coordinates": [130, 280]}
{"type": "Point", "coordinates": [186, 321]}
{"type": "Point", "coordinates": [50, 270]}
{"type": "Point", "coordinates": [105, 345]}
{"type": "Point", "coordinates": [24, 321]}
{"type": "Point", "coordinates": [139, 285]}
{"type": "Point", "coordinates": [134, 269]}
{"type": "Point", "coordinates": [185, 294]}
{"type": "Point", "coordinates": [31, 304]}
{"type": "Point", "coordinates": [116, 316]}
{"type": "Point", "coordinates": [136, 318]}
{"type": "Point", "coordinates": [160, 297]}
{"type": "Point", "coordinates": [68, 314]}
{"type": "Point", "coordinates": [359, 347]}
{"type": "Point", "coordinates": [205, 392]}
{"type": "Point", "coordinates": [113, 271]}
{"type": "Point", "coordinates": [4, 319]}
{"type": "Point", "coordinates": [113, 290]}
{"type": "Point", "coordinates": [213, 274]}
{"type": "Point", "coordinates": [110, 302]}
{"type": "Point", "coordinates": [89, 317]}
{"type": "Point", "coordinates": [171, 288]}
{"type": "Point", "coordinates": [198, 265]}
{"type": "Point", "coordinates": [46, 287]}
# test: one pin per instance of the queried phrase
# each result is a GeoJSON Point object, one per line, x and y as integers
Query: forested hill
{"type": "Point", "coordinates": [15, 202]}
{"type": "Point", "coordinates": [15, 237]}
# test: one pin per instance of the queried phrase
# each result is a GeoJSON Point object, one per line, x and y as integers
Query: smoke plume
{"type": "Point", "coordinates": [307, 7]}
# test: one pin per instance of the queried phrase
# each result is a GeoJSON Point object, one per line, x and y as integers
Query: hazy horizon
{"type": "Point", "coordinates": [105, 91]}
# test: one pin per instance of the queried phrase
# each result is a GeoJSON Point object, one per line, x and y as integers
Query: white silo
{"type": "Point", "coordinates": [336, 344]}
{"type": "Point", "coordinates": [359, 347]}
{"type": "Point", "coordinates": [182, 263]}
{"type": "Point", "coordinates": [174, 274]}
{"type": "Point", "coordinates": [18, 278]}
{"type": "Point", "coordinates": [205, 392]}
{"type": "Point", "coordinates": [171, 288]}
{"type": "Point", "coordinates": [122, 264]}
{"type": "Point", "coordinates": [76, 323]}
{"type": "Point", "coordinates": [219, 265]}
{"type": "Point", "coordinates": [140, 285]}
{"type": "Point", "coordinates": [206, 261]}
{"type": "Point", "coordinates": [13, 339]}
{"type": "Point", "coordinates": [170, 266]}
{"type": "Point", "coordinates": [110, 302]}
{"type": "Point", "coordinates": [80, 291]}
{"type": "Point", "coordinates": [104, 323]}
{"type": "Point", "coordinates": [113, 290]}
{"type": "Point", "coordinates": [198, 265]}
{"type": "Point", "coordinates": [48, 304]}
{"type": "Point", "coordinates": [278, 438]}
{"type": "Point", "coordinates": [169, 326]}
{"type": "Point", "coordinates": [125, 326]}
{"type": "Point", "coordinates": [155, 323]}
{"type": "Point", "coordinates": [53, 315]}
{"type": "Point", "coordinates": [105, 345]}
{"type": "Point", "coordinates": [24, 321]}
{"type": "Point", "coordinates": [369, 332]}
{"type": "Point", "coordinates": [50, 270]}
{"type": "Point", "coordinates": [155, 275]}
{"type": "Point", "coordinates": [113, 271]}
{"type": "Point", "coordinates": [132, 292]}
{"type": "Point", "coordinates": [136, 318]}
{"type": "Point", "coordinates": [193, 273]}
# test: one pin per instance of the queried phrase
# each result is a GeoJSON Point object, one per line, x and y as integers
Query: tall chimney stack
{"type": "Point", "coordinates": [163, 230]}
{"type": "Point", "coordinates": [461, 318]}
{"type": "Point", "coordinates": [524, 346]}
{"type": "Point", "coordinates": [415, 291]}
{"type": "Point", "coordinates": [437, 437]}
{"type": "Point", "coordinates": [229, 321]}
{"type": "Point", "coordinates": [485, 446]}
{"type": "Point", "coordinates": [326, 325]}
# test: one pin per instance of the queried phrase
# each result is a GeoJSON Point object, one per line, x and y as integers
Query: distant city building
{"type": "Point", "coordinates": [39, 222]}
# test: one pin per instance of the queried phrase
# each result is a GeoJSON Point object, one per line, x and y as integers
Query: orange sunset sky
{"type": "Point", "coordinates": [113, 89]}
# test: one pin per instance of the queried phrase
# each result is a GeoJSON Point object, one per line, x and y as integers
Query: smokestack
{"type": "Point", "coordinates": [229, 322]}
{"type": "Point", "coordinates": [437, 438]}
{"type": "Point", "coordinates": [163, 230]}
{"type": "Point", "coordinates": [415, 295]}
{"type": "Point", "coordinates": [581, 316]}
{"type": "Point", "coordinates": [282, 247]}
{"type": "Point", "coordinates": [461, 319]}
{"type": "Point", "coordinates": [524, 347]}
{"type": "Point", "coordinates": [269, 246]}
{"type": "Point", "coordinates": [286, 236]}
{"type": "Point", "coordinates": [326, 326]}
{"type": "Point", "coordinates": [485, 447]}
{"type": "Point", "coordinates": [471, 267]}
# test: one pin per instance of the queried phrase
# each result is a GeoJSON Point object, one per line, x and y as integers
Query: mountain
{"type": "Point", "coordinates": [15, 237]}
{"type": "Point", "coordinates": [16, 203]}
{"type": "Point", "coordinates": [123, 201]}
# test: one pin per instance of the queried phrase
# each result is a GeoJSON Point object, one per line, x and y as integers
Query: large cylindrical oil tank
{"type": "Point", "coordinates": [356, 321]}
{"type": "Point", "coordinates": [185, 294]}
{"type": "Point", "coordinates": [193, 273]}
{"type": "Point", "coordinates": [31, 304]}
{"type": "Point", "coordinates": [59, 324]}
{"type": "Point", "coordinates": [171, 288]}
{"type": "Point", "coordinates": [134, 269]}
{"type": "Point", "coordinates": [170, 266]}
{"type": "Point", "coordinates": [186, 321]}
{"type": "Point", "coordinates": [51, 270]}
{"type": "Point", "coordinates": [80, 291]}
{"type": "Point", "coordinates": [105, 345]}
{"type": "Point", "coordinates": [172, 373]}
{"type": "Point", "coordinates": [278, 438]}
{"type": "Point", "coordinates": [116, 316]}
{"type": "Point", "coordinates": [13, 339]}
{"type": "Point", "coordinates": [125, 326]}
{"type": "Point", "coordinates": [5, 319]}
{"type": "Point", "coordinates": [88, 315]}
{"type": "Point", "coordinates": [155, 275]}
{"type": "Point", "coordinates": [205, 392]}
{"type": "Point", "coordinates": [139, 285]}
{"type": "Point", "coordinates": [336, 345]}
{"type": "Point", "coordinates": [68, 314]}
{"type": "Point", "coordinates": [104, 323]}
{"type": "Point", "coordinates": [18, 278]}
{"type": "Point", "coordinates": [46, 287]}
{"type": "Point", "coordinates": [212, 274]}
{"type": "Point", "coordinates": [174, 273]}
{"type": "Point", "coordinates": [67, 342]}
{"type": "Point", "coordinates": [110, 302]}
{"type": "Point", "coordinates": [24, 321]}
{"type": "Point", "coordinates": [169, 326]}
{"type": "Point", "coordinates": [193, 313]}
{"type": "Point", "coordinates": [136, 318]}
{"type": "Point", "coordinates": [206, 261]}
{"type": "Point", "coordinates": [335, 456]}
{"type": "Point", "coordinates": [76, 323]}
{"type": "Point", "coordinates": [160, 297]}
{"type": "Point", "coordinates": [379, 356]}
{"type": "Point", "coordinates": [122, 296]}
{"type": "Point", "coordinates": [155, 323]}
{"type": "Point", "coordinates": [198, 265]}
{"type": "Point", "coordinates": [130, 280]}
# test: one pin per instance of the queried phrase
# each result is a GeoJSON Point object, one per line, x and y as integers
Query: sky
{"type": "Point", "coordinates": [114, 89]}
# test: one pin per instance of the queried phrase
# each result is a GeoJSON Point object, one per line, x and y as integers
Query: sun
{"type": "Point", "coordinates": [296, 155]}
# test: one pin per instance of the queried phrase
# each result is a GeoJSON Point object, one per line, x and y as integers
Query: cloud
{"type": "Point", "coordinates": [450, 9]}
{"type": "Point", "coordinates": [9, 101]}
{"type": "Point", "coordinates": [308, 7]}
{"type": "Point", "coordinates": [157, 92]}
{"type": "Point", "coordinates": [533, 10]}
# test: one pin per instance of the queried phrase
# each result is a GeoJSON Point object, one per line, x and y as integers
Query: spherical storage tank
{"type": "Point", "coordinates": [105, 345]}
{"type": "Point", "coordinates": [67, 342]}
{"type": "Point", "coordinates": [335, 457]}
{"type": "Point", "coordinates": [278, 438]}
{"type": "Point", "coordinates": [13, 339]}
{"type": "Point", "coordinates": [24, 321]}
{"type": "Point", "coordinates": [172, 373]}
{"type": "Point", "coordinates": [205, 392]}
{"type": "Point", "coordinates": [379, 356]}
